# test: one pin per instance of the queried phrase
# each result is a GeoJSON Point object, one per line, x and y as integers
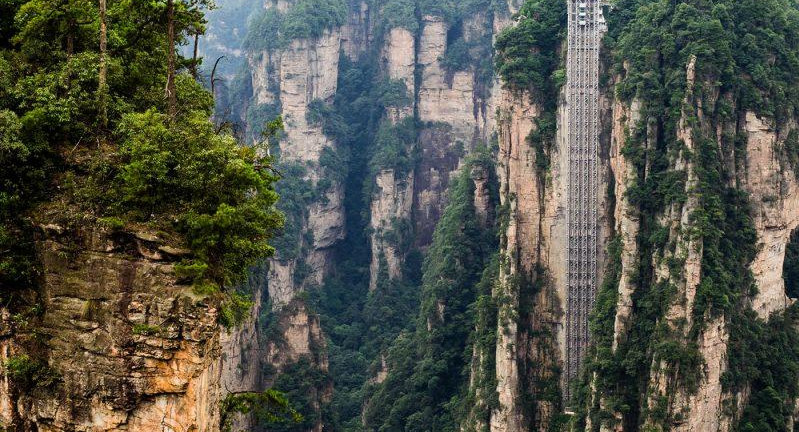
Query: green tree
{"type": "Point", "coordinates": [134, 156]}
{"type": "Point", "coordinates": [269, 407]}
{"type": "Point", "coordinates": [428, 370]}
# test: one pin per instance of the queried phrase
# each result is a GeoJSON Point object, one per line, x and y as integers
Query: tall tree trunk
{"type": "Point", "coordinates": [213, 76]}
{"type": "Point", "coordinates": [194, 58]}
{"type": "Point", "coordinates": [171, 93]}
{"type": "Point", "coordinates": [70, 37]}
{"type": "Point", "coordinates": [102, 89]}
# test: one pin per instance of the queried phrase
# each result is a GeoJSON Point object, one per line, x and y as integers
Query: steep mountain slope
{"type": "Point", "coordinates": [703, 114]}
{"type": "Point", "coordinates": [419, 282]}
{"type": "Point", "coordinates": [128, 223]}
{"type": "Point", "coordinates": [376, 137]}
{"type": "Point", "coordinates": [696, 114]}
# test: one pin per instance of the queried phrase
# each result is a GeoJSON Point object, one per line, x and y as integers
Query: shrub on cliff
{"type": "Point", "coordinates": [304, 20]}
{"type": "Point", "coordinates": [74, 150]}
{"type": "Point", "coordinates": [527, 53]}
{"type": "Point", "coordinates": [201, 183]}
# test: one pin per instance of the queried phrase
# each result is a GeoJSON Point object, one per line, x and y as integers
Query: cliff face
{"type": "Point", "coordinates": [522, 194]}
{"type": "Point", "coordinates": [763, 174]}
{"type": "Point", "coordinates": [392, 201]}
{"type": "Point", "coordinates": [132, 348]}
{"type": "Point", "coordinates": [119, 343]}
{"type": "Point", "coordinates": [692, 265]}
{"type": "Point", "coordinates": [453, 107]}
{"type": "Point", "coordinates": [704, 212]}
{"type": "Point", "coordinates": [531, 288]}
{"type": "Point", "coordinates": [288, 80]}
{"type": "Point", "coordinates": [306, 72]}
{"type": "Point", "coordinates": [775, 213]}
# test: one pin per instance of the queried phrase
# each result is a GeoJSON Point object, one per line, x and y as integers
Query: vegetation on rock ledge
{"type": "Point", "coordinates": [428, 370]}
{"type": "Point", "coordinates": [144, 166]}
{"type": "Point", "coordinates": [745, 60]}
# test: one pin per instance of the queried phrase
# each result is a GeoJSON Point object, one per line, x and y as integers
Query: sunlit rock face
{"type": "Point", "coordinates": [129, 346]}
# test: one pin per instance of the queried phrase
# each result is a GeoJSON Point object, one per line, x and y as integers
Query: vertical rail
{"type": "Point", "coordinates": [585, 27]}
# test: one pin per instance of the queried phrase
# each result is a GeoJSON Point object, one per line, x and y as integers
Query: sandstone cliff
{"type": "Point", "coordinates": [118, 343]}
{"type": "Point", "coordinates": [652, 217]}
{"type": "Point", "coordinates": [689, 369]}
{"type": "Point", "coordinates": [289, 80]}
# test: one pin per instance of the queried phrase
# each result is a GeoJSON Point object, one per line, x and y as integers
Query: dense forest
{"type": "Point", "coordinates": [105, 127]}
{"type": "Point", "coordinates": [97, 126]}
{"type": "Point", "coordinates": [350, 215]}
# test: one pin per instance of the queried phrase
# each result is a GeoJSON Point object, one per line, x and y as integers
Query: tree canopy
{"type": "Point", "coordinates": [142, 168]}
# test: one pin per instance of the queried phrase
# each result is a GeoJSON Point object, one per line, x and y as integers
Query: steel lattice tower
{"type": "Point", "coordinates": [586, 25]}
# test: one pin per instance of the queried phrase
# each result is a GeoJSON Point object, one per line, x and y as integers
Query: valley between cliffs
{"type": "Point", "coordinates": [419, 280]}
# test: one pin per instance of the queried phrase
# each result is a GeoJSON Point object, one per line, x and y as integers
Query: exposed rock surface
{"type": "Point", "coordinates": [518, 189]}
{"type": "Point", "coordinates": [391, 205]}
{"type": "Point", "coordinates": [457, 114]}
{"type": "Point", "coordinates": [446, 97]}
{"type": "Point", "coordinates": [626, 215]}
{"type": "Point", "coordinates": [132, 348]}
{"type": "Point", "coordinates": [771, 187]}
{"type": "Point", "coordinates": [358, 34]}
{"type": "Point", "coordinates": [456, 108]}
{"type": "Point", "coordinates": [775, 206]}
{"type": "Point", "coordinates": [528, 348]}
{"type": "Point", "coordinates": [292, 79]}
{"type": "Point", "coordinates": [392, 200]}
{"type": "Point", "coordinates": [135, 350]}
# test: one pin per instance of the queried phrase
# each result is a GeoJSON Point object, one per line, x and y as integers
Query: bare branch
{"type": "Point", "coordinates": [213, 75]}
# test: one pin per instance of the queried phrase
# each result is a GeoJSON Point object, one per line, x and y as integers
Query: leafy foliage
{"type": "Point", "coordinates": [301, 381]}
{"type": "Point", "coordinates": [304, 20]}
{"type": "Point", "coordinates": [270, 407]}
{"type": "Point", "coordinates": [400, 13]}
{"type": "Point", "coordinates": [481, 399]}
{"type": "Point", "coordinates": [178, 175]}
{"type": "Point", "coordinates": [146, 329]}
{"type": "Point", "coordinates": [528, 53]}
{"type": "Point", "coordinates": [394, 146]}
{"type": "Point", "coordinates": [428, 370]}
{"type": "Point", "coordinates": [222, 202]}
{"type": "Point", "coordinates": [766, 356]}
{"type": "Point", "coordinates": [28, 373]}
{"type": "Point", "coordinates": [791, 267]}
{"type": "Point", "coordinates": [350, 315]}
{"type": "Point", "coordinates": [652, 43]}
{"type": "Point", "coordinates": [528, 60]}
{"type": "Point", "coordinates": [749, 47]}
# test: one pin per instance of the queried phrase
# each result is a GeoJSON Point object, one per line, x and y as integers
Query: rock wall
{"type": "Point", "coordinates": [392, 200]}
{"type": "Point", "coordinates": [358, 35]}
{"type": "Point", "coordinates": [626, 215]}
{"type": "Point", "coordinates": [130, 348]}
{"type": "Point", "coordinates": [678, 219]}
{"type": "Point", "coordinates": [519, 193]}
{"type": "Point", "coordinates": [456, 112]}
{"type": "Point", "coordinates": [531, 288]}
{"type": "Point", "coordinates": [307, 71]}
{"type": "Point", "coordinates": [771, 187]}
{"type": "Point", "coordinates": [391, 204]}
{"type": "Point", "coordinates": [292, 78]}
{"type": "Point", "coordinates": [775, 208]}
{"type": "Point", "coordinates": [454, 107]}
{"type": "Point", "coordinates": [445, 96]}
